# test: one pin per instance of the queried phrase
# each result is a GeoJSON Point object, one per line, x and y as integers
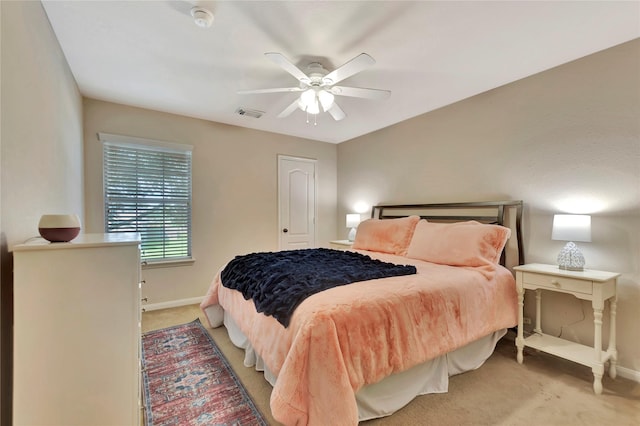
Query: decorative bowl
{"type": "Point", "coordinates": [59, 228]}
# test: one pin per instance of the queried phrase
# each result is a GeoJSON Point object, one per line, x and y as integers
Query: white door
{"type": "Point", "coordinates": [297, 202]}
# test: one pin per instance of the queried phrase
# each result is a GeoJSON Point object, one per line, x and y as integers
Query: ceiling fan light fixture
{"type": "Point", "coordinates": [308, 97]}
{"type": "Point", "coordinates": [309, 101]}
{"type": "Point", "coordinates": [313, 108]}
{"type": "Point", "coordinates": [326, 99]}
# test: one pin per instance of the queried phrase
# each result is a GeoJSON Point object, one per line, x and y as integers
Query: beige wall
{"type": "Point", "coordinates": [234, 189]}
{"type": "Point", "coordinates": [557, 140]}
{"type": "Point", "coordinates": [41, 142]}
{"type": "Point", "coordinates": [41, 124]}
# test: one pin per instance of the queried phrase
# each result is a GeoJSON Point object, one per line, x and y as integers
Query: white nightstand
{"type": "Point", "coordinates": [596, 286]}
{"type": "Point", "coordinates": [340, 244]}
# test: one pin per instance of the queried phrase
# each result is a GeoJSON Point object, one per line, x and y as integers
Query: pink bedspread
{"type": "Point", "coordinates": [344, 338]}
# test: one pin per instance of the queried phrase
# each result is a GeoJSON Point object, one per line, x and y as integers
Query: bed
{"type": "Point", "coordinates": [361, 351]}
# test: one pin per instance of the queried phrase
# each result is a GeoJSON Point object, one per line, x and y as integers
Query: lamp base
{"type": "Point", "coordinates": [352, 234]}
{"type": "Point", "coordinates": [570, 258]}
{"type": "Point", "coordinates": [570, 268]}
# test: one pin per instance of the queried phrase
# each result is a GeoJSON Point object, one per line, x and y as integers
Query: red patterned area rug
{"type": "Point", "coordinates": [187, 381]}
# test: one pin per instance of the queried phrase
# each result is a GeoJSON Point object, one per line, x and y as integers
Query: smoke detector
{"type": "Point", "coordinates": [202, 17]}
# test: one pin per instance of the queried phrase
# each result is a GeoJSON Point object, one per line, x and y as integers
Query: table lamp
{"type": "Point", "coordinates": [571, 227]}
{"type": "Point", "coordinates": [353, 220]}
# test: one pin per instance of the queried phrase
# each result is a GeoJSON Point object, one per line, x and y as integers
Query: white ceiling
{"type": "Point", "coordinates": [150, 54]}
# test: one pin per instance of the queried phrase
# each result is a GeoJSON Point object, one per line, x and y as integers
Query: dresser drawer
{"type": "Point", "coordinates": [558, 283]}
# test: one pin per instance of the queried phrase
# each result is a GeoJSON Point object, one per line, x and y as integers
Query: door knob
{"type": "Point", "coordinates": [285, 230]}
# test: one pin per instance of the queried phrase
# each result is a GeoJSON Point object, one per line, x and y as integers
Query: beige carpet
{"type": "Point", "coordinates": [543, 391]}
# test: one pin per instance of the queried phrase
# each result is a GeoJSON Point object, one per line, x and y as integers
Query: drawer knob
{"type": "Point", "coordinates": [555, 282]}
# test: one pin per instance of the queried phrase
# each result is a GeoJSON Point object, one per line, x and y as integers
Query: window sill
{"type": "Point", "coordinates": [167, 263]}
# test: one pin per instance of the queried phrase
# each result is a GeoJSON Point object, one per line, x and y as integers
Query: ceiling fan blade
{"type": "Point", "coordinates": [357, 92]}
{"type": "Point", "coordinates": [336, 112]}
{"type": "Point", "coordinates": [289, 110]}
{"type": "Point", "coordinates": [352, 67]}
{"type": "Point", "coordinates": [274, 90]}
{"type": "Point", "coordinates": [288, 66]}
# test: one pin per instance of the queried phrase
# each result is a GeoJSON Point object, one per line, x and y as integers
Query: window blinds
{"type": "Point", "coordinates": [147, 189]}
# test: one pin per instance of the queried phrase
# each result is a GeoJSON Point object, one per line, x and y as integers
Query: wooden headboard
{"type": "Point", "coordinates": [491, 212]}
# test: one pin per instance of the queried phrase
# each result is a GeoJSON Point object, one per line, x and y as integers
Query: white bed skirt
{"type": "Point", "coordinates": [394, 392]}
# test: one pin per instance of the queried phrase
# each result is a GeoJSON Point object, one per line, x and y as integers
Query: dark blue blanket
{"type": "Point", "coordinates": [279, 281]}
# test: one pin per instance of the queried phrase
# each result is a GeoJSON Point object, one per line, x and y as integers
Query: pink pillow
{"type": "Point", "coordinates": [386, 235]}
{"type": "Point", "coordinates": [458, 244]}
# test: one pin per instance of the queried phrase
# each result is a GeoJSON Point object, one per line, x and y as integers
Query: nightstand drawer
{"type": "Point", "coordinates": [558, 283]}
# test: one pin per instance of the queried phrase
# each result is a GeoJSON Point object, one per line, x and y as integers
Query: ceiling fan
{"type": "Point", "coordinates": [318, 86]}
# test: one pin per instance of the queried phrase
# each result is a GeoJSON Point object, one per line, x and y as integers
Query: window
{"type": "Point", "coordinates": [147, 189]}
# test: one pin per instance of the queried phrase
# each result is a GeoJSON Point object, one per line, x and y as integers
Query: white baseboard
{"type": "Point", "coordinates": [628, 373]}
{"type": "Point", "coordinates": [172, 303]}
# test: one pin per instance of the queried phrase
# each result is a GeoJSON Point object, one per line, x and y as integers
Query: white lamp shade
{"type": "Point", "coordinates": [353, 220]}
{"type": "Point", "coordinates": [571, 227]}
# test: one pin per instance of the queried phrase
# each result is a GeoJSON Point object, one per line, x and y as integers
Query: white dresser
{"type": "Point", "coordinates": [77, 331]}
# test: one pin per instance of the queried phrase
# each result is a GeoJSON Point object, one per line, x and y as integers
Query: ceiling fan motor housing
{"type": "Point", "coordinates": [316, 73]}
